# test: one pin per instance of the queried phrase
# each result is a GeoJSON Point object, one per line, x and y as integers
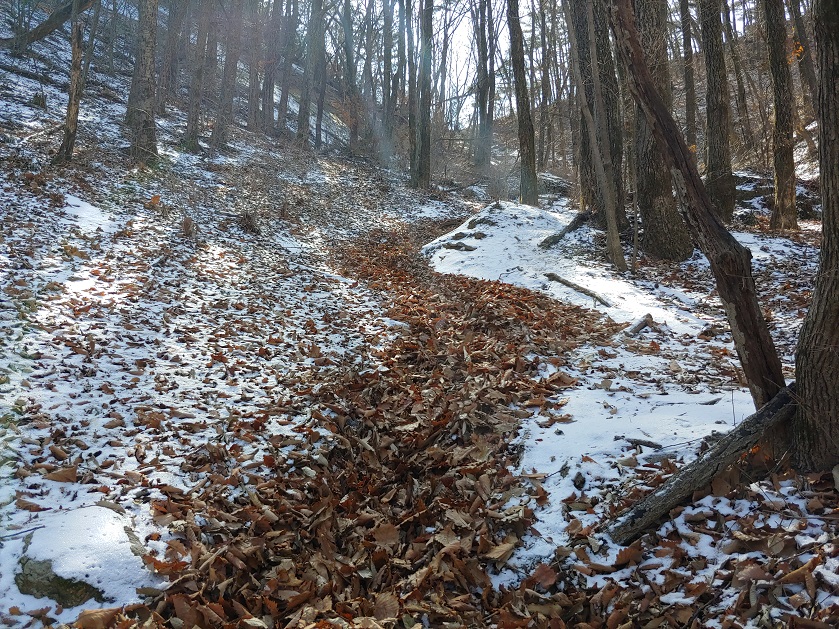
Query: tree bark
{"type": "Point", "coordinates": [718, 177]}
{"type": "Point", "coordinates": [139, 116]}
{"type": "Point", "coordinates": [422, 176]}
{"type": "Point", "coordinates": [289, 28]}
{"type": "Point", "coordinates": [698, 474]}
{"type": "Point", "coordinates": [740, 93]}
{"type": "Point", "coordinates": [484, 37]}
{"type": "Point", "coordinates": [224, 116]}
{"type": "Point", "coordinates": [169, 71]}
{"type": "Point", "coordinates": [314, 45]}
{"type": "Point", "coordinates": [74, 92]}
{"type": "Point", "coordinates": [784, 213]}
{"type": "Point", "coordinates": [687, 69]}
{"type": "Point", "coordinates": [351, 100]}
{"type": "Point", "coordinates": [815, 430]}
{"type": "Point", "coordinates": [730, 262]}
{"type": "Point", "coordinates": [55, 20]}
{"type": "Point", "coordinates": [527, 142]}
{"type": "Point", "coordinates": [196, 83]}
{"type": "Point", "coordinates": [804, 54]}
{"type": "Point", "coordinates": [665, 235]}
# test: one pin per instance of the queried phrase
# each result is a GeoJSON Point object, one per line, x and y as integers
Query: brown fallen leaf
{"type": "Point", "coordinates": [64, 475]}
{"type": "Point", "coordinates": [97, 618]}
{"type": "Point", "coordinates": [386, 606]}
{"type": "Point", "coordinates": [27, 505]}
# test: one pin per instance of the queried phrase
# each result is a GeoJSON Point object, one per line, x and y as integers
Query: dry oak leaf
{"type": "Point", "coordinates": [27, 505]}
{"type": "Point", "coordinates": [630, 554]}
{"type": "Point", "coordinates": [386, 534]}
{"type": "Point", "coordinates": [97, 618]}
{"type": "Point", "coordinates": [64, 475]}
{"type": "Point", "coordinates": [544, 575]}
{"type": "Point", "coordinates": [502, 552]}
{"type": "Point", "coordinates": [386, 606]}
{"type": "Point", "coordinates": [799, 575]}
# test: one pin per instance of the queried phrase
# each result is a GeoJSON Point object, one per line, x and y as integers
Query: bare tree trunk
{"type": "Point", "coordinates": [388, 79]}
{"type": "Point", "coordinates": [815, 429]}
{"type": "Point", "coordinates": [139, 116]}
{"type": "Point", "coordinates": [421, 177]}
{"type": "Point", "coordinates": [527, 148]}
{"type": "Point", "coordinates": [730, 261]}
{"type": "Point", "coordinates": [224, 116]}
{"type": "Point", "coordinates": [196, 84]}
{"type": "Point", "coordinates": [412, 88]}
{"type": "Point", "coordinates": [804, 55]}
{"type": "Point", "coordinates": [600, 153]}
{"type": "Point", "coordinates": [314, 44]}
{"type": "Point", "coordinates": [290, 27]}
{"type": "Point", "coordinates": [665, 234]}
{"type": "Point", "coordinates": [740, 93]}
{"type": "Point", "coordinates": [718, 177]}
{"type": "Point", "coordinates": [74, 95]}
{"type": "Point", "coordinates": [273, 43]}
{"type": "Point", "coordinates": [484, 36]}
{"type": "Point", "coordinates": [690, 85]}
{"type": "Point", "coordinates": [255, 118]}
{"type": "Point", "coordinates": [351, 99]}
{"type": "Point", "coordinates": [784, 213]}
{"type": "Point", "coordinates": [169, 71]}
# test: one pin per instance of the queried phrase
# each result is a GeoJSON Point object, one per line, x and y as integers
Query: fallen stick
{"type": "Point", "coordinates": [644, 322]}
{"type": "Point", "coordinates": [580, 289]}
{"type": "Point", "coordinates": [646, 513]}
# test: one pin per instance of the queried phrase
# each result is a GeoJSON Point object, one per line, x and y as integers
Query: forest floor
{"type": "Point", "coordinates": [281, 389]}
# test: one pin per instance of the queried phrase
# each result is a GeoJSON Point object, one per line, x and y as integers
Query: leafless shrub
{"type": "Point", "coordinates": [249, 222]}
{"type": "Point", "coordinates": [189, 227]}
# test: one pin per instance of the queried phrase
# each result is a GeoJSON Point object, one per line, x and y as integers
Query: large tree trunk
{"type": "Point", "coordinates": [139, 116]}
{"type": "Point", "coordinates": [815, 430]}
{"type": "Point", "coordinates": [224, 116]}
{"type": "Point", "coordinates": [718, 177]}
{"type": "Point", "coordinates": [665, 234]}
{"type": "Point", "coordinates": [421, 176]}
{"type": "Point", "coordinates": [784, 214]}
{"type": "Point", "coordinates": [527, 142]}
{"type": "Point", "coordinates": [730, 261]}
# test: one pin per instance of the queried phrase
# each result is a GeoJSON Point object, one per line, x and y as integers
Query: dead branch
{"type": "Point", "coordinates": [53, 22]}
{"type": "Point", "coordinates": [580, 289]}
{"type": "Point", "coordinates": [580, 219]}
{"type": "Point", "coordinates": [727, 450]}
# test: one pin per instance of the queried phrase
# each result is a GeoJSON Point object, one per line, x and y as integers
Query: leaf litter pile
{"type": "Point", "coordinates": [396, 498]}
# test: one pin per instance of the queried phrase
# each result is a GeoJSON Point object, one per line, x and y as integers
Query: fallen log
{"type": "Point", "coordinates": [53, 22]}
{"type": "Point", "coordinates": [646, 513]}
{"type": "Point", "coordinates": [580, 289]}
{"type": "Point", "coordinates": [580, 219]}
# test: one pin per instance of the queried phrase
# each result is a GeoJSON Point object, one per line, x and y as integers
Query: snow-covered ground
{"type": "Point", "coordinates": [145, 337]}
